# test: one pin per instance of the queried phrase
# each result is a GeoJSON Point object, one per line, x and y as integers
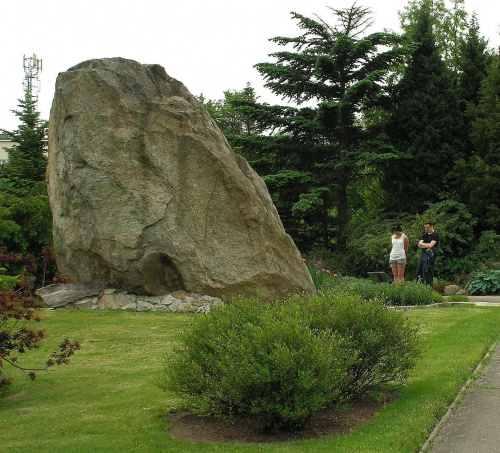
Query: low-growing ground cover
{"type": "Point", "coordinates": [107, 399]}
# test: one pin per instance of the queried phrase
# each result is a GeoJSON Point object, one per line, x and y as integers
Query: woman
{"type": "Point", "coordinates": [397, 258]}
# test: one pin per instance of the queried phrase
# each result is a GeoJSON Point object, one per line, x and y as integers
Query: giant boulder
{"type": "Point", "coordinates": [147, 196]}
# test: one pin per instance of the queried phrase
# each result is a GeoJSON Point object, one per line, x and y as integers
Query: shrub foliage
{"type": "Point", "coordinates": [405, 293]}
{"type": "Point", "coordinates": [382, 345]}
{"type": "Point", "coordinates": [280, 363]}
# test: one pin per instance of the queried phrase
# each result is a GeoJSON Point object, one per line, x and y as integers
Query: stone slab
{"type": "Point", "coordinates": [57, 296]}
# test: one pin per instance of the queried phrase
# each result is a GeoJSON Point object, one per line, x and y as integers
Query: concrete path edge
{"type": "Point", "coordinates": [428, 443]}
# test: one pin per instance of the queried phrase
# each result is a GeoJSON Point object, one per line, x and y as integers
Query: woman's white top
{"type": "Point", "coordinates": [398, 248]}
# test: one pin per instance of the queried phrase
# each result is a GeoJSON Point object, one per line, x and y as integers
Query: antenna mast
{"type": "Point", "coordinates": [32, 67]}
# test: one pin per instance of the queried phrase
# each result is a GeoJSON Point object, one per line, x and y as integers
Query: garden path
{"type": "Point", "coordinates": [471, 423]}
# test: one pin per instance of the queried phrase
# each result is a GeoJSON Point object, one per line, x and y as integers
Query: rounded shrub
{"type": "Point", "coordinates": [258, 360]}
{"type": "Point", "coordinates": [280, 363]}
{"type": "Point", "coordinates": [382, 343]}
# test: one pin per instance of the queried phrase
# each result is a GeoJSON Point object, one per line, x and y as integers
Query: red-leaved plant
{"type": "Point", "coordinates": [18, 311]}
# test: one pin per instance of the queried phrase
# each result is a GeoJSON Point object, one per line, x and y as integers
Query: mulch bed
{"type": "Point", "coordinates": [191, 427]}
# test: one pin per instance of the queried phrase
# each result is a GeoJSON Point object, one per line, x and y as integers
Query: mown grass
{"type": "Point", "coordinates": [107, 399]}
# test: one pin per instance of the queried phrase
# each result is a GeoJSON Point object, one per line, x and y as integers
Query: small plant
{"type": "Point", "coordinates": [437, 298]}
{"type": "Point", "coordinates": [319, 272]}
{"type": "Point", "coordinates": [458, 298]}
{"type": "Point", "coordinates": [482, 283]}
{"type": "Point", "coordinates": [6, 281]}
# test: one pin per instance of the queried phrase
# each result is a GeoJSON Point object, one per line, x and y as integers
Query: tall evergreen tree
{"type": "Point", "coordinates": [25, 216]}
{"type": "Point", "coordinates": [315, 152]}
{"type": "Point", "coordinates": [27, 161]}
{"type": "Point", "coordinates": [473, 63]}
{"type": "Point", "coordinates": [426, 124]}
{"type": "Point", "coordinates": [450, 25]}
{"type": "Point", "coordinates": [480, 173]}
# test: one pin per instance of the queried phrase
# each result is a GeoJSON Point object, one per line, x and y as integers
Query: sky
{"type": "Point", "coordinates": [209, 45]}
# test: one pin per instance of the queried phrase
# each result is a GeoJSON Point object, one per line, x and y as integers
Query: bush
{"type": "Point", "coordinates": [482, 283]}
{"type": "Point", "coordinates": [353, 285]}
{"type": "Point", "coordinates": [258, 360]}
{"type": "Point", "coordinates": [38, 268]}
{"type": "Point", "coordinates": [280, 363]}
{"type": "Point", "coordinates": [437, 298]}
{"type": "Point", "coordinates": [456, 228]}
{"type": "Point", "coordinates": [367, 245]}
{"type": "Point", "coordinates": [487, 251]}
{"type": "Point", "coordinates": [383, 345]}
{"type": "Point", "coordinates": [406, 293]}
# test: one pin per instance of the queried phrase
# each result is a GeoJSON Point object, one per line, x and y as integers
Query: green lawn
{"type": "Point", "coordinates": [108, 400]}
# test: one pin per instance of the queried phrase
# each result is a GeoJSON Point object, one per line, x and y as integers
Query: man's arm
{"type": "Point", "coordinates": [423, 245]}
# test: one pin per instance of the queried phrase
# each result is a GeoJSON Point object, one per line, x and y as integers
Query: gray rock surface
{"type": "Point", "coordinates": [450, 290]}
{"type": "Point", "coordinates": [148, 197]}
{"type": "Point", "coordinates": [91, 296]}
{"type": "Point", "coordinates": [60, 295]}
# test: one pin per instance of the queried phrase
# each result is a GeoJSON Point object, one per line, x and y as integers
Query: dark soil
{"type": "Point", "coordinates": [194, 428]}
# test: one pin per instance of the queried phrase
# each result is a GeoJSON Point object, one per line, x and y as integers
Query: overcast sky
{"type": "Point", "coordinates": [209, 45]}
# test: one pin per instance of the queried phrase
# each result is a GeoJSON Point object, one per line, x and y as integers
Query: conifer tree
{"type": "Point", "coordinates": [480, 173]}
{"type": "Point", "coordinates": [473, 63]}
{"type": "Point", "coordinates": [311, 154]}
{"type": "Point", "coordinates": [426, 124]}
{"type": "Point", "coordinates": [450, 25]}
{"type": "Point", "coordinates": [27, 162]}
{"type": "Point", "coordinates": [233, 121]}
{"type": "Point", "coordinates": [25, 216]}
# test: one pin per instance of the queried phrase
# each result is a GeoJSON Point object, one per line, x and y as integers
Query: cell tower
{"type": "Point", "coordinates": [32, 67]}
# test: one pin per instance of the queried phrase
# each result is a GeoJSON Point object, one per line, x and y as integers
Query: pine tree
{"type": "Point", "coordinates": [25, 216]}
{"type": "Point", "coordinates": [426, 124]}
{"type": "Point", "coordinates": [311, 154]}
{"type": "Point", "coordinates": [473, 63]}
{"type": "Point", "coordinates": [27, 161]}
{"type": "Point", "coordinates": [480, 174]}
{"type": "Point", "coordinates": [450, 25]}
{"type": "Point", "coordinates": [233, 121]}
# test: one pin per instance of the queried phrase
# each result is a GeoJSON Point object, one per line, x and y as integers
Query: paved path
{"type": "Point", "coordinates": [472, 425]}
{"type": "Point", "coordinates": [483, 300]}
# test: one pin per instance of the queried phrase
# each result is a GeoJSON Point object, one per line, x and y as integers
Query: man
{"type": "Point", "coordinates": [430, 248]}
